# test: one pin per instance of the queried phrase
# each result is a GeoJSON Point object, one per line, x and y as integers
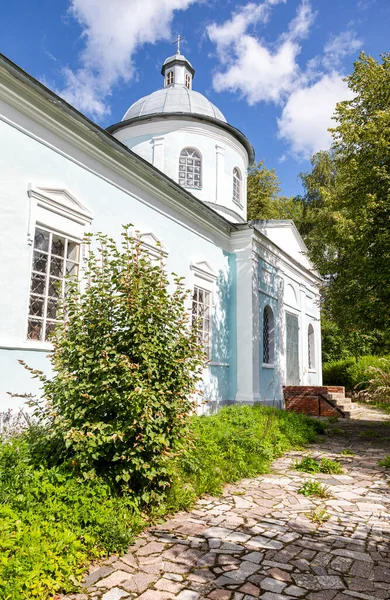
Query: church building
{"type": "Point", "coordinates": [176, 170]}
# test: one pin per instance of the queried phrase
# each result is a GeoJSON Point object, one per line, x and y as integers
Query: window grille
{"type": "Point", "coordinates": [190, 168]}
{"type": "Point", "coordinates": [201, 314]}
{"type": "Point", "coordinates": [54, 257]}
{"type": "Point", "coordinates": [170, 78]}
{"type": "Point", "coordinates": [311, 351]}
{"type": "Point", "coordinates": [188, 81]}
{"type": "Point", "coordinates": [237, 183]}
{"type": "Point", "coordinates": [268, 336]}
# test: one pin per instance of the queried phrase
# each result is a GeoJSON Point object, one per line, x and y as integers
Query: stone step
{"type": "Point", "coordinates": [336, 396]}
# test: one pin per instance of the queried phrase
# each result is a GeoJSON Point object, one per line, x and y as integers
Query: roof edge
{"type": "Point", "coordinates": [191, 117]}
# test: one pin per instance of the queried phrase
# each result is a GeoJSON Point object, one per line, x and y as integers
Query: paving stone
{"type": "Point", "coordinates": [115, 594]}
{"type": "Point", "coordinates": [96, 575]}
{"type": "Point", "coordinates": [114, 579]}
{"type": "Point", "coordinates": [273, 585]}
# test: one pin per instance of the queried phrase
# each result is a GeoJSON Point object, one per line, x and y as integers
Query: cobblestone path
{"type": "Point", "coordinates": [256, 540]}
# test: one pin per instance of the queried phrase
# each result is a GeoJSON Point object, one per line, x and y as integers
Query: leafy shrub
{"type": "Point", "coordinates": [52, 522]}
{"type": "Point", "coordinates": [51, 525]}
{"type": "Point", "coordinates": [126, 364]}
{"type": "Point", "coordinates": [311, 487]}
{"type": "Point", "coordinates": [378, 389]}
{"type": "Point", "coordinates": [357, 374]}
{"type": "Point", "coordinates": [311, 465]}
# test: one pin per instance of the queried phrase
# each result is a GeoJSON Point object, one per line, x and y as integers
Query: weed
{"type": "Point", "coordinates": [337, 431]}
{"type": "Point", "coordinates": [347, 452]}
{"type": "Point", "coordinates": [332, 419]}
{"type": "Point", "coordinates": [385, 462]}
{"type": "Point", "coordinates": [330, 466]}
{"type": "Point", "coordinates": [325, 465]}
{"type": "Point", "coordinates": [369, 433]}
{"type": "Point", "coordinates": [319, 515]}
{"type": "Point", "coordinates": [311, 487]}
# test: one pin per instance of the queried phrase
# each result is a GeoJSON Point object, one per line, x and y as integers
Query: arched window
{"type": "Point", "coordinates": [190, 168]}
{"type": "Point", "coordinates": [237, 185]}
{"type": "Point", "coordinates": [188, 81]}
{"type": "Point", "coordinates": [170, 78]}
{"type": "Point", "coordinates": [310, 347]}
{"type": "Point", "coordinates": [268, 336]}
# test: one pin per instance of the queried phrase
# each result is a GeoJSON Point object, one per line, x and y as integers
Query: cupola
{"type": "Point", "coordinates": [177, 70]}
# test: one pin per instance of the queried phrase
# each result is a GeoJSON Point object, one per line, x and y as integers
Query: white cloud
{"type": "Point", "coordinates": [339, 46]}
{"type": "Point", "coordinates": [258, 71]}
{"type": "Point", "coordinates": [248, 66]}
{"type": "Point", "coordinates": [113, 31]}
{"type": "Point", "coordinates": [308, 112]}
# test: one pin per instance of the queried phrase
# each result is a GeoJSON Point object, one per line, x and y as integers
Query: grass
{"type": "Point", "coordinates": [385, 462]}
{"type": "Point", "coordinates": [369, 433]}
{"type": "Point", "coordinates": [310, 465]}
{"type": "Point", "coordinates": [347, 452]}
{"type": "Point", "coordinates": [52, 524]}
{"type": "Point", "coordinates": [311, 487]}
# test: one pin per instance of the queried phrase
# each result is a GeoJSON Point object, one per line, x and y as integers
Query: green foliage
{"type": "Point", "coordinates": [340, 343]}
{"type": "Point", "coordinates": [357, 374]}
{"type": "Point", "coordinates": [262, 192]}
{"type": "Point", "coordinates": [310, 465]}
{"type": "Point", "coordinates": [385, 462]}
{"type": "Point", "coordinates": [347, 452]}
{"type": "Point", "coordinates": [237, 442]}
{"type": "Point", "coordinates": [378, 389]}
{"type": "Point", "coordinates": [126, 364]}
{"type": "Point", "coordinates": [52, 522]}
{"type": "Point", "coordinates": [349, 192]}
{"type": "Point", "coordinates": [319, 515]}
{"type": "Point", "coordinates": [51, 525]}
{"type": "Point", "coordinates": [311, 487]}
{"type": "Point", "coordinates": [369, 433]}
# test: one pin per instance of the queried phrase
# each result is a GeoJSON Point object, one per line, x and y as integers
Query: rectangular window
{"type": "Point", "coordinates": [54, 257]}
{"type": "Point", "coordinates": [201, 313]}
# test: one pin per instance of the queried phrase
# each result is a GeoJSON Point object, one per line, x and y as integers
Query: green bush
{"type": "Point", "coordinates": [126, 364]}
{"type": "Point", "coordinates": [51, 525]}
{"type": "Point", "coordinates": [52, 522]}
{"type": "Point", "coordinates": [353, 374]}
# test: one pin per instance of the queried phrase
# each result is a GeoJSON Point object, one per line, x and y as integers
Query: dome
{"type": "Point", "coordinates": [174, 99]}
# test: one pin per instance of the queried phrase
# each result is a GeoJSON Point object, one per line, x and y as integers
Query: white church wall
{"type": "Point", "coordinates": [33, 154]}
{"type": "Point", "coordinates": [214, 144]}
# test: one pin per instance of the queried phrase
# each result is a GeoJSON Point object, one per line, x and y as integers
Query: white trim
{"type": "Point", "coordinates": [203, 271]}
{"type": "Point", "coordinates": [268, 365]}
{"type": "Point", "coordinates": [152, 245]}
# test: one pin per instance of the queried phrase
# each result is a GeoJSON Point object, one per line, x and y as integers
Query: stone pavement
{"type": "Point", "coordinates": [256, 540]}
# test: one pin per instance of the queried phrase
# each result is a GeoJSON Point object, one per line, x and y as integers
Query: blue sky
{"type": "Point", "coordinates": [274, 67]}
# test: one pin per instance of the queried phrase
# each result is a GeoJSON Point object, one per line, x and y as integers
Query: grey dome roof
{"type": "Point", "coordinates": [177, 57]}
{"type": "Point", "coordinates": [174, 99]}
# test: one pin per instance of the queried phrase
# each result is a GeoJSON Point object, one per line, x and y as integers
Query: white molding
{"type": "Point", "coordinates": [61, 202]}
{"type": "Point", "coordinates": [204, 271]}
{"type": "Point", "coordinates": [152, 244]}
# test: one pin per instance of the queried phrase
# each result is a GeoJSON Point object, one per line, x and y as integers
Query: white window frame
{"type": "Point", "coordinates": [237, 187]}
{"type": "Point", "coordinates": [204, 278]}
{"type": "Point", "coordinates": [188, 166]}
{"type": "Point", "coordinates": [311, 349]}
{"type": "Point", "coordinates": [170, 78]}
{"type": "Point", "coordinates": [58, 211]}
{"type": "Point", "coordinates": [153, 246]}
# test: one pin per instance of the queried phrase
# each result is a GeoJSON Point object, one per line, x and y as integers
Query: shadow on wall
{"type": "Point", "coordinates": [219, 387]}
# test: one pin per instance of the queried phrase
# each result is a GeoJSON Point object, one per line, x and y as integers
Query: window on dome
{"type": "Point", "coordinates": [190, 168]}
{"type": "Point", "coordinates": [188, 81]}
{"type": "Point", "coordinates": [237, 186]}
{"type": "Point", "coordinates": [170, 78]}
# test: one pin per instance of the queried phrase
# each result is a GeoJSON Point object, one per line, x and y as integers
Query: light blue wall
{"type": "Point", "coordinates": [270, 379]}
{"type": "Point", "coordinates": [114, 201]}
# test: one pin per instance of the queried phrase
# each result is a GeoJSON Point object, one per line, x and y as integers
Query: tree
{"type": "Point", "coordinates": [126, 364]}
{"type": "Point", "coordinates": [263, 188]}
{"type": "Point", "coordinates": [350, 193]}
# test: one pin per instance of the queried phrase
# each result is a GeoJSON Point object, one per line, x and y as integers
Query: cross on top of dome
{"type": "Point", "coordinates": [177, 41]}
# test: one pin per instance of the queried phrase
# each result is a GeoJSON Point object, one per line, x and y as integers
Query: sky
{"type": "Point", "coordinates": [275, 68]}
